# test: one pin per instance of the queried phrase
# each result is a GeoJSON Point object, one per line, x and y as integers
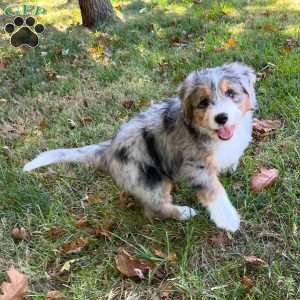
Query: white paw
{"type": "Point", "coordinates": [224, 215]}
{"type": "Point", "coordinates": [186, 212]}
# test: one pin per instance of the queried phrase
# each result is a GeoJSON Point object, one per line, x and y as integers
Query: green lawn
{"type": "Point", "coordinates": [86, 76]}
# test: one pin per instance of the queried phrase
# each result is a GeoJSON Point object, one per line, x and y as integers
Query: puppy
{"type": "Point", "coordinates": [194, 136]}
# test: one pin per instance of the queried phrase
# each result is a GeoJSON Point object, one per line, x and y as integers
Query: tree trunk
{"type": "Point", "coordinates": [96, 12]}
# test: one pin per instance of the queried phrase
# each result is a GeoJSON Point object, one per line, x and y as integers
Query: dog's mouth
{"type": "Point", "coordinates": [225, 133]}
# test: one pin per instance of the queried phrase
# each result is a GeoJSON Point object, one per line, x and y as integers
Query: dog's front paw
{"type": "Point", "coordinates": [186, 212]}
{"type": "Point", "coordinates": [224, 215]}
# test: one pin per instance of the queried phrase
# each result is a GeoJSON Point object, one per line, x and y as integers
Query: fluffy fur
{"type": "Point", "coordinates": [194, 136]}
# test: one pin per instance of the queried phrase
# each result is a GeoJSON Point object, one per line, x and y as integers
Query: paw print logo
{"type": "Point", "coordinates": [24, 32]}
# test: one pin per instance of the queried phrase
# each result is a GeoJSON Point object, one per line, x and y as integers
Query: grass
{"type": "Point", "coordinates": [76, 73]}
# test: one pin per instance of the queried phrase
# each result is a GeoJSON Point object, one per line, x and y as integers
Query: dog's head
{"type": "Point", "coordinates": [217, 99]}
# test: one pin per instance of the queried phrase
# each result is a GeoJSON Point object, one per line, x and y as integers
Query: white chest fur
{"type": "Point", "coordinates": [228, 153]}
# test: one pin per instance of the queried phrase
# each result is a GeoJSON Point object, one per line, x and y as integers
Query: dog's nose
{"type": "Point", "coordinates": [221, 119]}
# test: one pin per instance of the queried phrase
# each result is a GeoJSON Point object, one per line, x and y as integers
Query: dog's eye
{"type": "Point", "coordinates": [230, 93]}
{"type": "Point", "coordinates": [203, 103]}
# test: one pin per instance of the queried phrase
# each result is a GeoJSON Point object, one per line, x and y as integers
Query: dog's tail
{"type": "Point", "coordinates": [93, 154]}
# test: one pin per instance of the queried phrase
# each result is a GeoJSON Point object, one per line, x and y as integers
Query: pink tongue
{"type": "Point", "coordinates": [225, 133]}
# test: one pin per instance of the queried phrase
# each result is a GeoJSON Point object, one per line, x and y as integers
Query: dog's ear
{"type": "Point", "coordinates": [247, 78]}
{"type": "Point", "coordinates": [188, 92]}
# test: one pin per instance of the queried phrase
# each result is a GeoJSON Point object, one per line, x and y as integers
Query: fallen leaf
{"type": "Point", "coordinates": [51, 74]}
{"type": "Point", "coordinates": [219, 49]}
{"type": "Point", "coordinates": [86, 120]}
{"type": "Point", "coordinates": [128, 104]}
{"type": "Point", "coordinates": [16, 288]}
{"type": "Point", "coordinates": [125, 201]}
{"type": "Point", "coordinates": [74, 246]}
{"type": "Point", "coordinates": [82, 222]}
{"type": "Point", "coordinates": [230, 43]}
{"type": "Point", "coordinates": [166, 290]}
{"type": "Point", "coordinates": [56, 232]}
{"type": "Point", "coordinates": [102, 232]}
{"type": "Point", "coordinates": [220, 239]}
{"type": "Point", "coordinates": [43, 124]}
{"type": "Point", "coordinates": [253, 260]}
{"type": "Point", "coordinates": [268, 28]}
{"type": "Point", "coordinates": [4, 62]}
{"type": "Point", "coordinates": [105, 230]}
{"type": "Point", "coordinates": [265, 71]}
{"type": "Point", "coordinates": [290, 44]}
{"type": "Point", "coordinates": [247, 282]}
{"type": "Point", "coordinates": [172, 256]}
{"type": "Point", "coordinates": [54, 295]}
{"type": "Point", "coordinates": [264, 178]}
{"type": "Point", "coordinates": [177, 41]}
{"type": "Point", "coordinates": [131, 267]}
{"type": "Point", "coordinates": [118, 6]}
{"type": "Point", "coordinates": [19, 234]}
{"type": "Point", "coordinates": [66, 266]}
{"type": "Point", "coordinates": [93, 198]}
{"type": "Point", "coordinates": [262, 128]}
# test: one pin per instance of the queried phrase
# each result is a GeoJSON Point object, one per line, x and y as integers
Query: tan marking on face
{"type": "Point", "coordinates": [202, 117]}
{"type": "Point", "coordinates": [245, 105]}
{"type": "Point", "coordinates": [199, 92]}
{"type": "Point", "coordinates": [224, 85]}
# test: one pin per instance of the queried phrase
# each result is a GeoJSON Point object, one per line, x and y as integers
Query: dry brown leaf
{"type": "Point", "coordinates": [102, 232]}
{"type": "Point", "coordinates": [264, 178]}
{"type": "Point", "coordinates": [125, 201]}
{"type": "Point", "coordinates": [219, 49]}
{"type": "Point", "coordinates": [128, 104]}
{"type": "Point", "coordinates": [93, 198]}
{"type": "Point", "coordinates": [262, 127]}
{"type": "Point", "coordinates": [75, 246]}
{"type": "Point", "coordinates": [171, 257]}
{"type": "Point", "coordinates": [131, 267]}
{"type": "Point", "coordinates": [220, 239]}
{"type": "Point", "coordinates": [268, 28]}
{"type": "Point", "coordinates": [230, 43]}
{"type": "Point", "coordinates": [105, 230]}
{"type": "Point", "coordinates": [19, 233]}
{"type": "Point", "coordinates": [82, 222]}
{"type": "Point", "coordinates": [16, 288]}
{"type": "Point", "coordinates": [254, 261]}
{"type": "Point", "coordinates": [4, 62]}
{"type": "Point", "coordinates": [86, 120]}
{"type": "Point", "coordinates": [268, 69]}
{"type": "Point", "coordinates": [247, 282]}
{"type": "Point", "coordinates": [54, 295]}
{"type": "Point", "coordinates": [56, 232]}
{"type": "Point", "coordinates": [118, 6]}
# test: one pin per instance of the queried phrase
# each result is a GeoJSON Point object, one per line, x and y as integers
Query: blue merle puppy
{"type": "Point", "coordinates": [194, 136]}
